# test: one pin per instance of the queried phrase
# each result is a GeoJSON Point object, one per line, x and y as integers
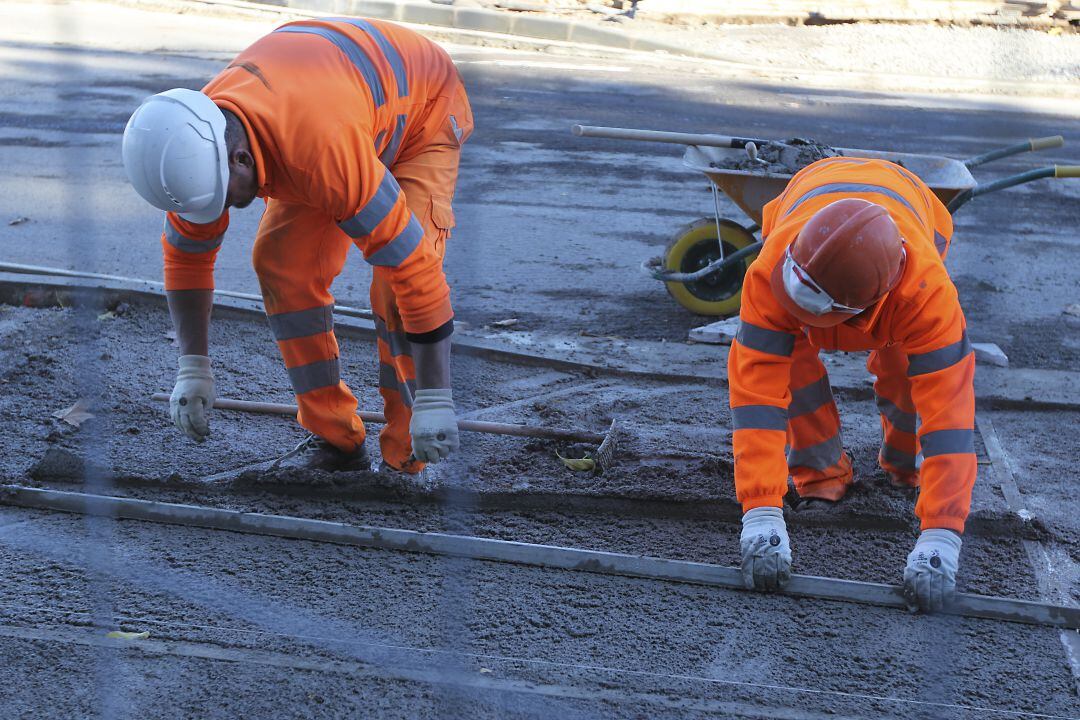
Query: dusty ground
{"type": "Point", "coordinates": [573, 217]}
{"type": "Point", "coordinates": [189, 587]}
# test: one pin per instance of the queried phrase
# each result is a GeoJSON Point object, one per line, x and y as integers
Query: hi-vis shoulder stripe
{"type": "Point", "coordinates": [397, 64]}
{"type": "Point", "coordinates": [352, 51]}
{"type": "Point", "coordinates": [862, 188]}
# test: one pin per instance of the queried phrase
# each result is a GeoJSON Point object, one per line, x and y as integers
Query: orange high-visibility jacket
{"type": "Point", "coordinates": [921, 315]}
{"type": "Point", "coordinates": [328, 105]}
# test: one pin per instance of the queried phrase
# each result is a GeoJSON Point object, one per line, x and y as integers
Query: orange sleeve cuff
{"type": "Point", "coordinates": [762, 501]}
{"type": "Point", "coordinates": [187, 271]}
{"type": "Point", "coordinates": [428, 319]}
{"type": "Point", "coordinates": [943, 522]}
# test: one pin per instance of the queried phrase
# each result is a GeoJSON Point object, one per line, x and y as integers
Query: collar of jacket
{"type": "Point", "coordinates": [261, 173]}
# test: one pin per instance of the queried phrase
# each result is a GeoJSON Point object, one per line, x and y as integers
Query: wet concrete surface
{"type": "Point", "coordinates": [636, 639]}
{"type": "Point", "coordinates": [670, 492]}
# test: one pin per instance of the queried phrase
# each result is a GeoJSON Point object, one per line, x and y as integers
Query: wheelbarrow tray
{"type": "Point", "coordinates": [751, 190]}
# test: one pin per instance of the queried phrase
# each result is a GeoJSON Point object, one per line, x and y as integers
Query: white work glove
{"type": "Point", "coordinates": [193, 396]}
{"type": "Point", "coordinates": [766, 550]}
{"type": "Point", "coordinates": [433, 426]}
{"type": "Point", "coordinates": [930, 575]}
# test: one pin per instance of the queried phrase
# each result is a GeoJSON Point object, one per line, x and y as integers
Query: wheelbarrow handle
{"type": "Point", "coordinates": [1029, 145]}
{"type": "Point", "coordinates": [677, 138]}
{"type": "Point", "coordinates": [1051, 171]}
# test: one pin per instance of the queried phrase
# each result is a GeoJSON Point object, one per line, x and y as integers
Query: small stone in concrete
{"type": "Point", "coordinates": [721, 332]}
{"type": "Point", "coordinates": [990, 354]}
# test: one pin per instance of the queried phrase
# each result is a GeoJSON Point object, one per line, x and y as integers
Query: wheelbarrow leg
{"type": "Point", "coordinates": [716, 214]}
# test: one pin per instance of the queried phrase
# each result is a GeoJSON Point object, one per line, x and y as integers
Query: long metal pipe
{"type": "Point", "coordinates": [714, 266]}
{"type": "Point", "coordinates": [22, 269]}
{"type": "Point", "coordinates": [661, 136]}
{"type": "Point", "coordinates": [480, 426]}
{"type": "Point", "coordinates": [547, 556]}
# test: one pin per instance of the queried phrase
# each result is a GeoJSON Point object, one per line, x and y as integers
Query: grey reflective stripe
{"type": "Point", "coordinates": [353, 52]}
{"type": "Point", "coordinates": [302, 323]}
{"type": "Point", "coordinates": [832, 188]}
{"type": "Point", "coordinates": [947, 442]}
{"type": "Point", "coordinates": [186, 244]}
{"type": "Point", "coordinates": [819, 457]}
{"type": "Point", "coordinates": [764, 340]}
{"type": "Point", "coordinates": [375, 211]}
{"type": "Point", "coordinates": [389, 51]}
{"type": "Point", "coordinates": [395, 340]}
{"type": "Point", "coordinates": [758, 417]}
{"type": "Point", "coordinates": [390, 153]}
{"type": "Point", "coordinates": [898, 458]}
{"type": "Point", "coordinates": [900, 419]}
{"type": "Point", "coordinates": [394, 252]}
{"type": "Point", "coordinates": [940, 242]}
{"type": "Point", "coordinates": [939, 359]}
{"type": "Point", "coordinates": [809, 398]}
{"type": "Point", "coordinates": [388, 381]}
{"type": "Point", "coordinates": [305, 378]}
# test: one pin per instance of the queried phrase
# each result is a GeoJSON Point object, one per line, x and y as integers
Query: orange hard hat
{"type": "Point", "coordinates": [847, 256]}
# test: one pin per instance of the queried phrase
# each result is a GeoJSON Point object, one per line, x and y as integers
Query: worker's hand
{"type": "Point", "coordinates": [930, 575]}
{"type": "Point", "coordinates": [433, 426]}
{"type": "Point", "coordinates": [193, 396]}
{"type": "Point", "coordinates": [766, 551]}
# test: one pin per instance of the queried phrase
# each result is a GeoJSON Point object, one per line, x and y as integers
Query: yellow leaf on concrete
{"type": "Point", "coordinates": [124, 635]}
{"type": "Point", "coordinates": [585, 464]}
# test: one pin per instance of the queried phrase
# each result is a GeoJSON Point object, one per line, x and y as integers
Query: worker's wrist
{"type": "Point", "coordinates": [775, 501]}
{"type": "Point", "coordinates": [193, 362]}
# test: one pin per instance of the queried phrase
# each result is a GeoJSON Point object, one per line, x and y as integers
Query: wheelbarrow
{"type": "Point", "coordinates": [704, 262]}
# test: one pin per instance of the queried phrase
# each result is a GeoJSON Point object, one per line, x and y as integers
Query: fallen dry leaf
{"type": "Point", "coordinates": [107, 315]}
{"type": "Point", "coordinates": [585, 464]}
{"type": "Point", "coordinates": [75, 415]}
{"type": "Point", "coordinates": [508, 322]}
{"type": "Point", "coordinates": [1073, 309]}
{"type": "Point", "coordinates": [19, 220]}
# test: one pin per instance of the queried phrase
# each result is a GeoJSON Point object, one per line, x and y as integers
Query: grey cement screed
{"type": "Point", "coordinates": [683, 644]}
{"type": "Point", "coordinates": [547, 556]}
{"type": "Point", "coordinates": [820, 551]}
{"type": "Point", "coordinates": [1050, 585]}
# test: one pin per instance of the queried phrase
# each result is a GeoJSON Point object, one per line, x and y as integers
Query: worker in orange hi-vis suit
{"type": "Point", "coordinates": [853, 260]}
{"type": "Point", "coordinates": [351, 129]}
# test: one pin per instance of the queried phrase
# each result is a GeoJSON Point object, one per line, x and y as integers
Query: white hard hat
{"type": "Point", "coordinates": [175, 154]}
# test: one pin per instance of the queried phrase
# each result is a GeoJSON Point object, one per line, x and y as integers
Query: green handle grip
{"type": "Point", "coordinates": [1046, 143]}
{"type": "Point", "coordinates": [1067, 171]}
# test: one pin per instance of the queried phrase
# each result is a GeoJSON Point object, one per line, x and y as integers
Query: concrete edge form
{"type": "Point", "coordinates": [1028, 388]}
{"type": "Point", "coordinates": [546, 556]}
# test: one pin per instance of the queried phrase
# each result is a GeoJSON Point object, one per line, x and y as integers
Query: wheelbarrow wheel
{"type": "Point", "coordinates": [694, 247]}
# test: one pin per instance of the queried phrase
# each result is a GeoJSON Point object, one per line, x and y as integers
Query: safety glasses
{"type": "Point", "coordinates": [806, 293]}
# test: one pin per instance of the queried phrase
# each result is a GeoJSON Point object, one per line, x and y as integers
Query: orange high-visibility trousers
{"type": "Point", "coordinates": [298, 252]}
{"type": "Point", "coordinates": [819, 466]}
{"type": "Point", "coordinates": [892, 390]}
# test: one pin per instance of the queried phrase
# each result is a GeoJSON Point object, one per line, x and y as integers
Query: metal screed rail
{"type": "Point", "coordinates": [547, 556]}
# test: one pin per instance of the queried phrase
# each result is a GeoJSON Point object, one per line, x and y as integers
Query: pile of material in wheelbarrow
{"type": "Point", "coordinates": [785, 157]}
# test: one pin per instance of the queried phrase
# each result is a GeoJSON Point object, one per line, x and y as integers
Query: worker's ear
{"type": "Point", "coordinates": [242, 158]}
